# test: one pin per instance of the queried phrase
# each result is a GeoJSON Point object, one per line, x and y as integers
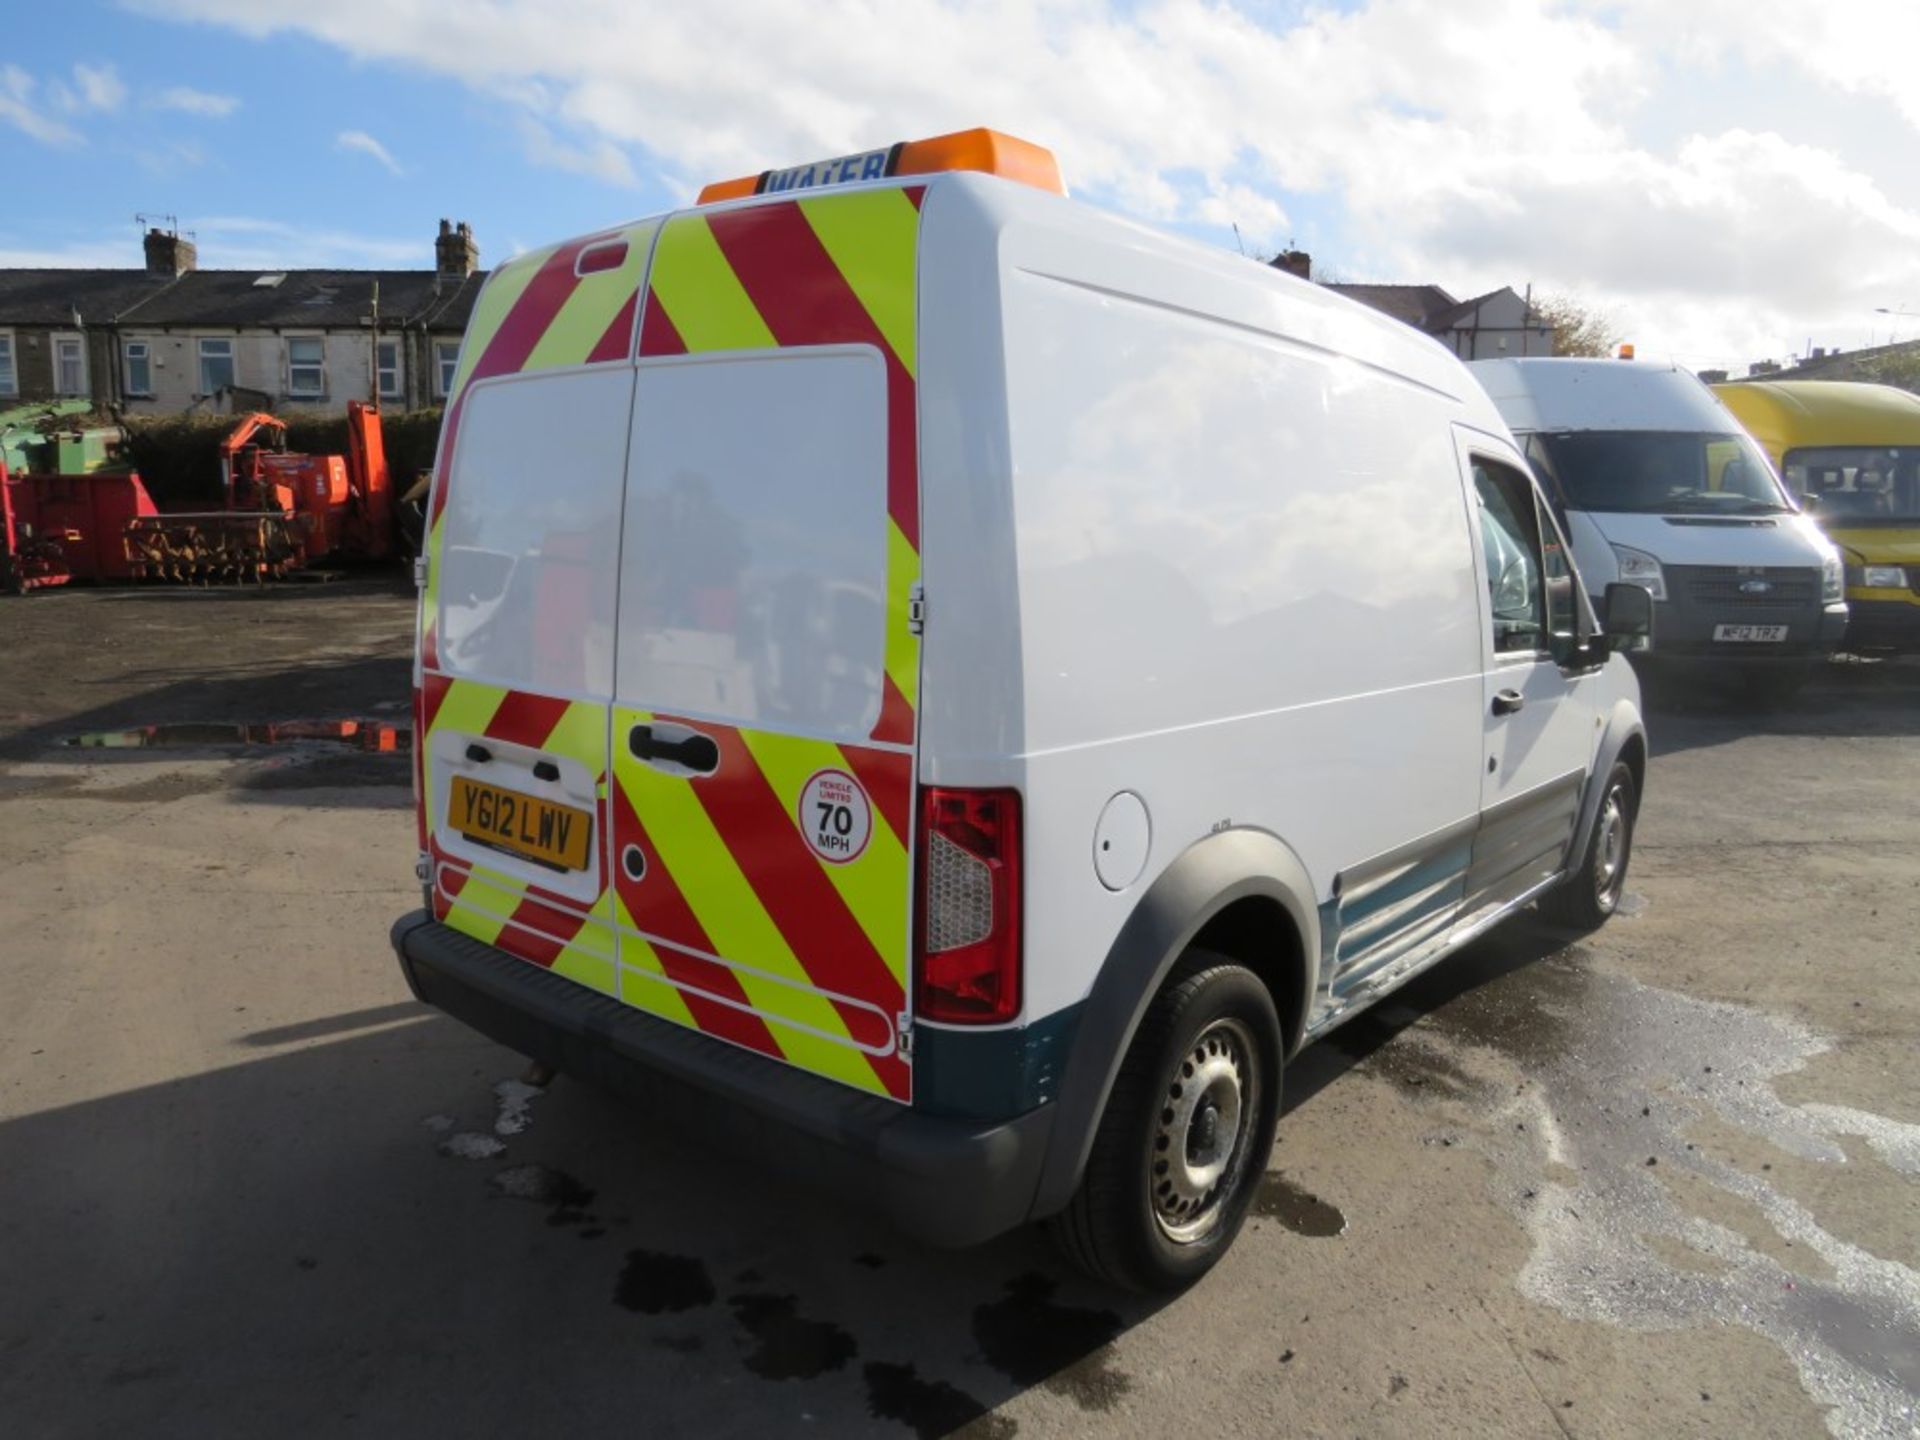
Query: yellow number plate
{"type": "Point", "coordinates": [556, 835]}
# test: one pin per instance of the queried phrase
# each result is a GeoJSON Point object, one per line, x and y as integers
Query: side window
{"type": "Point", "coordinates": [1510, 538]}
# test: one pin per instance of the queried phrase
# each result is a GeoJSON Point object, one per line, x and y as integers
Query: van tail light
{"type": "Point", "coordinates": [969, 951]}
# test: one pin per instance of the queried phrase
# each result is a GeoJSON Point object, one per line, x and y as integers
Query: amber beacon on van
{"type": "Point", "coordinates": [903, 685]}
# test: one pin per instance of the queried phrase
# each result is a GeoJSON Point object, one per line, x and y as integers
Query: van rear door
{"type": "Point", "coordinates": [765, 663]}
{"type": "Point", "coordinates": [515, 655]}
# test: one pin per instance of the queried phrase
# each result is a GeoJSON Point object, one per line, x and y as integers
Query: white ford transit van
{"type": "Point", "coordinates": [950, 690]}
{"type": "Point", "coordinates": [1658, 484]}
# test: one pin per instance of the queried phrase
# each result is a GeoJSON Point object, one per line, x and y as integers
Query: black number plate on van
{"type": "Point", "coordinates": [558, 836]}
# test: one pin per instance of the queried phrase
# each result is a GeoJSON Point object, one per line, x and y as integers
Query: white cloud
{"type": "Point", "coordinates": [1470, 142]}
{"type": "Point", "coordinates": [189, 101]}
{"type": "Point", "coordinates": [599, 160]}
{"type": "Point", "coordinates": [92, 89]}
{"type": "Point", "coordinates": [99, 86]}
{"type": "Point", "coordinates": [247, 242]}
{"type": "Point", "coordinates": [18, 109]}
{"type": "Point", "coordinates": [365, 144]}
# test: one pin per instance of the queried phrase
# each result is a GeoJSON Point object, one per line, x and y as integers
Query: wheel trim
{"type": "Point", "coordinates": [1202, 1132]}
{"type": "Point", "coordinates": [1610, 842]}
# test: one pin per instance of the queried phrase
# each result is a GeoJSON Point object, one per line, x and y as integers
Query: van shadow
{"type": "Point", "coordinates": [1847, 697]}
{"type": "Point", "coordinates": [1506, 989]}
{"type": "Point", "coordinates": [292, 1245]}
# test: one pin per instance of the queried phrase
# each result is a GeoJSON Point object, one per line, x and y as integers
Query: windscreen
{"type": "Point", "coordinates": [1658, 472]}
{"type": "Point", "coordinates": [753, 584]}
{"type": "Point", "coordinates": [1876, 485]}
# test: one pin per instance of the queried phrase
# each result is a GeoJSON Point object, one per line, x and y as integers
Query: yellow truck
{"type": "Point", "coordinates": [1851, 453]}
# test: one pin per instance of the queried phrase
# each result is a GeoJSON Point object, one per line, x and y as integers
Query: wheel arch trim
{"type": "Point", "coordinates": [1212, 874]}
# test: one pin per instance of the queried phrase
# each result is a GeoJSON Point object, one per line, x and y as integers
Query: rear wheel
{"type": "Point", "coordinates": [1186, 1133]}
{"type": "Point", "coordinates": [1585, 899]}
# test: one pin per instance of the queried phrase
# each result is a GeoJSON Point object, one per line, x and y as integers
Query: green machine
{"type": "Point", "coordinates": [51, 440]}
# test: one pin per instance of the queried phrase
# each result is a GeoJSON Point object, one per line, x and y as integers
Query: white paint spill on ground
{"type": "Point", "coordinates": [1624, 1048]}
{"type": "Point", "coordinates": [471, 1145]}
{"type": "Point", "coordinates": [516, 1106]}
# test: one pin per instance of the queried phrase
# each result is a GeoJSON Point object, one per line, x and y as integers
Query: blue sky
{"type": "Point", "coordinates": [276, 157]}
{"type": "Point", "coordinates": [1730, 179]}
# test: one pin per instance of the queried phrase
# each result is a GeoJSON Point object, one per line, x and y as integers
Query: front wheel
{"type": "Point", "coordinates": [1585, 899]}
{"type": "Point", "coordinates": [1186, 1133]}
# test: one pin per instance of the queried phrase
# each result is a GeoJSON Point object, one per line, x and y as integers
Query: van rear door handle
{"type": "Point", "coordinates": [697, 752]}
{"type": "Point", "coordinates": [1507, 702]}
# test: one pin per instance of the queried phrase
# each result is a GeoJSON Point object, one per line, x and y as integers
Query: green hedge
{"type": "Point", "coordinates": [178, 456]}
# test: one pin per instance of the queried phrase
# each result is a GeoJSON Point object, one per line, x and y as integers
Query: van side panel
{"type": "Point", "coordinates": [535, 691]}
{"type": "Point", "coordinates": [1242, 570]}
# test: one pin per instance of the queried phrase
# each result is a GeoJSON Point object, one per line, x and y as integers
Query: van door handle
{"type": "Point", "coordinates": [1507, 702]}
{"type": "Point", "coordinates": [697, 752]}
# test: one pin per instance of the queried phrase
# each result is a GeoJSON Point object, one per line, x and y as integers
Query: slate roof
{"type": "Point", "coordinates": [1415, 304]}
{"type": "Point", "coordinates": [50, 297]}
{"type": "Point", "coordinates": [1446, 319]}
{"type": "Point", "coordinates": [317, 299]}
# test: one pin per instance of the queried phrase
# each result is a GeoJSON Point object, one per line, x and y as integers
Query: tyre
{"type": "Point", "coordinates": [1585, 899]}
{"type": "Point", "coordinates": [1186, 1133]}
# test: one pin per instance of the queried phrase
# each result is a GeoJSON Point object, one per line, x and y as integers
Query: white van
{"type": "Point", "coordinates": [1658, 484]}
{"type": "Point", "coordinates": [949, 690]}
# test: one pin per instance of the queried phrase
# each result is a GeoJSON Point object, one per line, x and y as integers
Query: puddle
{"type": "Point", "coordinates": [789, 1346]}
{"type": "Point", "coordinates": [930, 1408]}
{"type": "Point", "coordinates": [1034, 1341]}
{"type": "Point", "coordinates": [652, 1283]}
{"type": "Point", "coordinates": [1302, 1212]}
{"type": "Point", "coordinates": [374, 736]}
{"type": "Point", "coordinates": [1634, 1225]}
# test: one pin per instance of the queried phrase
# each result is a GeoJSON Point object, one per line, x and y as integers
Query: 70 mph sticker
{"type": "Point", "coordinates": [835, 816]}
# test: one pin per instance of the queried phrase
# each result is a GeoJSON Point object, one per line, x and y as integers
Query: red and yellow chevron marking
{"type": "Point", "coordinates": [817, 951]}
{"type": "Point", "coordinates": [484, 901]}
{"type": "Point", "coordinates": [830, 270]}
{"type": "Point", "coordinates": [736, 928]}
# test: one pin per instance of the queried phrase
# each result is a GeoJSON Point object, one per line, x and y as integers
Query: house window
{"type": "Point", "coordinates": [9, 377]}
{"type": "Point", "coordinates": [306, 370]}
{"type": "Point", "coordinates": [216, 365]}
{"type": "Point", "coordinates": [69, 365]}
{"type": "Point", "coordinates": [446, 359]}
{"type": "Point", "coordinates": [387, 362]}
{"type": "Point", "coordinates": [139, 368]}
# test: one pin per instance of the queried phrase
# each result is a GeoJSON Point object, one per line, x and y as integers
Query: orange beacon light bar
{"type": "Point", "coordinates": [987, 151]}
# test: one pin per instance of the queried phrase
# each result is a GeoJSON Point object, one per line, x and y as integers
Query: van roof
{"type": "Point", "coordinates": [1203, 279]}
{"type": "Point", "coordinates": [1824, 412]}
{"type": "Point", "coordinates": [1600, 395]}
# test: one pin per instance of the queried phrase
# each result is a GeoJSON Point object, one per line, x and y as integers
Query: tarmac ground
{"type": "Point", "coordinates": [1663, 1180]}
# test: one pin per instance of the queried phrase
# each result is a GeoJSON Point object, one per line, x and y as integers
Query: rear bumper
{"type": "Point", "coordinates": [945, 1181]}
{"type": "Point", "coordinates": [1884, 625]}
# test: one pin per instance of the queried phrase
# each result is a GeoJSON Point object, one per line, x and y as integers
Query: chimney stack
{"type": "Point", "coordinates": [1295, 262]}
{"type": "Point", "coordinates": [456, 254]}
{"type": "Point", "coordinates": [170, 253]}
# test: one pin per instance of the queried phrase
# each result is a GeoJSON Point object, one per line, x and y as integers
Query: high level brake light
{"type": "Point", "coordinates": [986, 151]}
{"type": "Point", "coordinates": [969, 950]}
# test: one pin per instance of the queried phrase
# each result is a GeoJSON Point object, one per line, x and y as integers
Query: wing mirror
{"type": "Point", "coordinates": [1628, 621]}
